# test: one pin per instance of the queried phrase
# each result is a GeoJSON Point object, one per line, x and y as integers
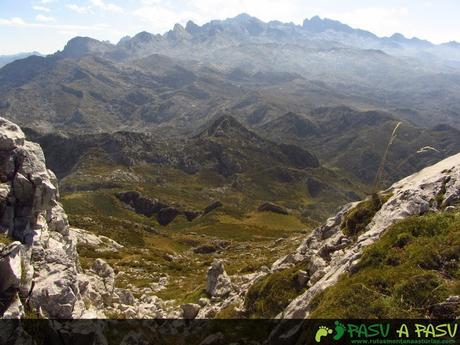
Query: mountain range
{"type": "Point", "coordinates": [230, 144]}
{"type": "Point", "coordinates": [323, 86]}
{"type": "Point", "coordinates": [179, 80]}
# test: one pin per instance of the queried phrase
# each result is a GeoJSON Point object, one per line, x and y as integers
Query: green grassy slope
{"type": "Point", "coordinates": [412, 267]}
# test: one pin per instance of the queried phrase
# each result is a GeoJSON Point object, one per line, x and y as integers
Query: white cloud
{"type": "Point", "coordinates": [95, 4]}
{"type": "Point", "coordinates": [41, 8]}
{"type": "Point", "coordinates": [109, 7]}
{"type": "Point", "coordinates": [78, 9]}
{"type": "Point", "coordinates": [16, 21]}
{"type": "Point", "coordinates": [45, 19]}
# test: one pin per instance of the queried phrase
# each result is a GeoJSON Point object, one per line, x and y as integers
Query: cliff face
{"type": "Point", "coordinates": [39, 267]}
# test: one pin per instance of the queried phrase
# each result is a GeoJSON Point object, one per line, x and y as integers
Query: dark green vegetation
{"type": "Point", "coordinates": [229, 164]}
{"type": "Point", "coordinates": [361, 215]}
{"type": "Point", "coordinates": [270, 294]}
{"type": "Point", "coordinates": [225, 162]}
{"type": "Point", "coordinates": [412, 267]}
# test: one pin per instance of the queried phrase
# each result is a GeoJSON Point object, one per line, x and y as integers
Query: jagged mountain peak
{"type": "Point", "coordinates": [451, 44]}
{"type": "Point", "coordinates": [244, 18]}
{"type": "Point", "coordinates": [317, 24]}
{"type": "Point", "coordinates": [400, 38]}
{"type": "Point", "coordinates": [191, 27]}
{"type": "Point", "coordinates": [178, 32]}
{"type": "Point", "coordinates": [241, 24]}
{"type": "Point", "coordinates": [80, 46]}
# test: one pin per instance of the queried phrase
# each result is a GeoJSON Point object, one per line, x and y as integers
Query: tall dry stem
{"type": "Point", "coordinates": [378, 176]}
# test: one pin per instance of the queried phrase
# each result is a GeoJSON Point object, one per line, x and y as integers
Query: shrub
{"type": "Point", "coordinates": [357, 219]}
{"type": "Point", "coordinates": [394, 257]}
{"type": "Point", "coordinates": [270, 294]}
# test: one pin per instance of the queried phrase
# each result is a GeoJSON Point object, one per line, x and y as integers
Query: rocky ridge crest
{"type": "Point", "coordinates": [331, 253]}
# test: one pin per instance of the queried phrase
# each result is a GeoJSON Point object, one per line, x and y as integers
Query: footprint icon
{"type": "Point", "coordinates": [323, 331]}
{"type": "Point", "coordinates": [339, 330]}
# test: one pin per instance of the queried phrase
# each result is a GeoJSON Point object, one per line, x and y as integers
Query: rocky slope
{"type": "Point", "coordinates": [40, 262]}
{"type": "Point", "coordinates": [331, 251]}
{"type": "Point", "coordinates": [42, 276]}
{"type": "Point", "coordinates": [39, 265]}
{"type": "Point", "coordinates": [335, 250]}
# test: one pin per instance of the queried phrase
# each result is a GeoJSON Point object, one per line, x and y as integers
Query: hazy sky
{"type": "Point", "coordinates": [46, 25]}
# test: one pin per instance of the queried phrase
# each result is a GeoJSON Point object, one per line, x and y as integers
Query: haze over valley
{"type": "Point", "coordinates": [236, 169]}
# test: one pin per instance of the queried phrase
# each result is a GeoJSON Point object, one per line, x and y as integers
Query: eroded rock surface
{"type": "Point", "coordinates": [331, 253]}
{"type": "Point", "coordinates": [40, 271]}
{"type": "Point", "coordinates": [31, 214]}
{"type": "Point", "coordinates": [218, 283]}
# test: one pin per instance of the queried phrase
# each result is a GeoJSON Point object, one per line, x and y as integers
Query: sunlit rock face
{"type": "Point", "coordinates": [332, 253]}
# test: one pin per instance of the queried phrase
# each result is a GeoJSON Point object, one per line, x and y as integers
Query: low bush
{"type": "Point", "coordinates": [269, 295]}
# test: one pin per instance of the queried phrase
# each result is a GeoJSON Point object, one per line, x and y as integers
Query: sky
{"type": "Point", "coordinates": [46, 25]}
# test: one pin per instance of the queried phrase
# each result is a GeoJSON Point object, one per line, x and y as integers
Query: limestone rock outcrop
{"type": "Point", "coordinates": [330, 253]}
{"type": "Point", "coordinates": [10, 284]}
{"type": "Point", "coordinates": [32, 215]}
{"type": "Point", "coordinates": [148, 207]}
{"type": "Point", "coordinates": [218, 283]}
{"type": "Point", "coordinates": [39, 270]}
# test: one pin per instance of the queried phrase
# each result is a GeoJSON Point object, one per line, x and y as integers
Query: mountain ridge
{"type": "Point", "coordinates": [353, 72]}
